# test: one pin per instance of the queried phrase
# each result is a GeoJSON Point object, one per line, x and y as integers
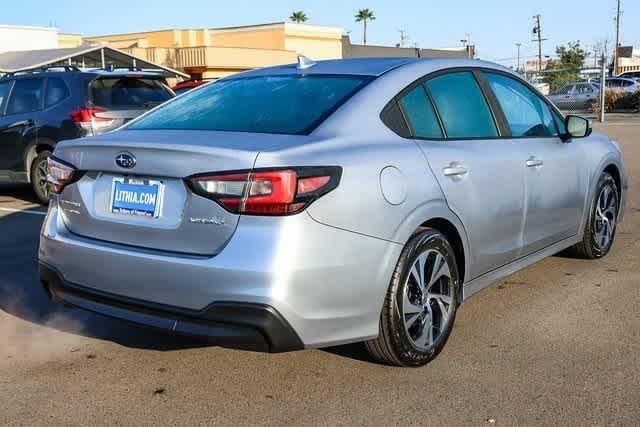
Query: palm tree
{"type": "Point", "coordinates": [365, 15]}
{"type": "Point", "coordinates": [298, 17]}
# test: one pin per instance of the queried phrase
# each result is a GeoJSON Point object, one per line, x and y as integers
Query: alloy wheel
{"type": "Point", "coordinates": [41, 176]}
{"type": "Point", "coordinates": [427, 303]}
{"type": "Point", "coordinates": [605, 217]}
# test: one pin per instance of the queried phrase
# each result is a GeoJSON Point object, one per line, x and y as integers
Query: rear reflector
{"type": "Point", "coordinates": [267, 192]}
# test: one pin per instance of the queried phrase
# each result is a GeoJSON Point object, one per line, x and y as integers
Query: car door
{"type": "Point", "coordinates": [5, 90]}
{"type": "Point", "coordinates": [563, 99]}
{"type": "Point", "coordinates": [19, 123]}
{"type": "Point", "coordinates": [480, 174]}
{"type": "Point", "coordinates": [583, 95]}
{"type": "Point", "coordinates": [555, 176]}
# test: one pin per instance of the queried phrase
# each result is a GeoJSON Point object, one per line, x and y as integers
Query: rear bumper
{"type": "Point", "coordinates": [242, 325]}
{"type": "Point", "coordinates": [327, 284]}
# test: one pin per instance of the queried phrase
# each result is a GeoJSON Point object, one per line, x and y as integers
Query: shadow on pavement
{"type": "Point", "coordinates": [10, 193]}
{"type": "Point", "coordinates": [22, 296]}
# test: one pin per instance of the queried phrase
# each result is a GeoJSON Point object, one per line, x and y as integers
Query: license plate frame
{"type": "Point", "coordinates": [135, 208]}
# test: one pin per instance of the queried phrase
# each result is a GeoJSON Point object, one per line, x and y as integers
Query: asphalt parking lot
{"type": "Point", "coordinates": [557, 343]}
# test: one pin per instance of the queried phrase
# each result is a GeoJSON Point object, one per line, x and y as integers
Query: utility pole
{"type": "Point", "coordinates": [518, 57]}
{"type": "Point", "coordinates": [467, 44]}
{"type": "Point", "coordinates": [615, 51]}
{"type": "Point", "coordinates": [538, 31]}
{"type": "Point", "coordinates": [403, 38]}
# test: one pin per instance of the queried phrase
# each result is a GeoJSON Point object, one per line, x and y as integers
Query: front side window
{"type": "Point", "coordinates": [56, 91]}
{"type": "Point", "coordinates": [420, 114]}
{"type": "Point", "coordinates": [565, 90]}
{"type": "Point", "coordinates": [286, 104]}
{"type": "Point", "coordinates": [26, 96]}
{"type": "Point", "coordinates": [583, 89]}
{"type": "Point", "coordinates": [527, 114]}
{"type": "Point", "coordinates": [4, 92]}
{"type": "Point", "coordinates": [462, 107]}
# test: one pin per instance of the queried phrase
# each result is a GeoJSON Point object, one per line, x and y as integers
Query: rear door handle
{"type": "Point", "coordinates": [28, 122]}
{"type": "Point", "coordinates": [455, 170]}
{"type": "Point", "coordinates": [534, 162]}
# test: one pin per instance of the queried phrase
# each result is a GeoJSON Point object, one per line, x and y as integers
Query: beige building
{"type": "Point", "coordinates": [219, 52]}
{"type": "Point", "coordinates": [214, 53]}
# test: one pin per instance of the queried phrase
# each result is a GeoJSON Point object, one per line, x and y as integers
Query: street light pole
{"type": "Point", "coordinates": [518, 57]}
{"type": "Point", "coordinates": [602, 87]}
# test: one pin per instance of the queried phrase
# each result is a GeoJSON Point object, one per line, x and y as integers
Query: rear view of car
{"type": "Point", "coordinates": [114, 100]}
{"type": "Point", "coordinates": [39, 109]}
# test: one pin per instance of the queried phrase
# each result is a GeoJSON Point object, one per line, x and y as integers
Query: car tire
{"type": "Point", "coordinates": [38, 177]}
{"type": "Point", "coordinates": [603, 212]}
{"type": "Point", "coordinates": [407, 340]}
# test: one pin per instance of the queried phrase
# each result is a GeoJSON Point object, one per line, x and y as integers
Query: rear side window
{"type": "Point", "coordinates": [26, 96]}
{"type": "Point", "coordinates": [287, 104]}
{"type": "Point", "coordinates": [527, 114]}
{"type": "Point", "coordinates": [56, 91]}
{"type": "Point", "coordinates": [128, 92]}
{"type": "Point", "coordinates": [4, 92]}
{"type": "Point", "coordinates": [462, 106]}
{"type": "Point", "coordinates": [420, 114]}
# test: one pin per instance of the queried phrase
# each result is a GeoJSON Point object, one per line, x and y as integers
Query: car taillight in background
{"type": "Point", "coordinates": [60, 174]}
{"type": "Point", "coordinates": [267, 192]}
{"type": "Point", "coordinates": [89, 118]}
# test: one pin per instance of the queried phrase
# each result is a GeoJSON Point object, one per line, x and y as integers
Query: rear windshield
{"type": "Point", "coordinates": [265, 104]}
{"type": "Point", "coordinates": [128, 92]}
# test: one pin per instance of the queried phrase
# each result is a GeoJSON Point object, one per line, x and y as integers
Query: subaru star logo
{"type": "Point", "coordinates": [125, 160]}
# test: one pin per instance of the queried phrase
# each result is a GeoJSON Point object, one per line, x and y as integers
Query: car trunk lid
{"type": "Point", "coordinates": [182, 221]}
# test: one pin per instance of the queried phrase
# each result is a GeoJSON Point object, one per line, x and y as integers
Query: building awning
{"type": "Point", "coordinates": [83, 57]}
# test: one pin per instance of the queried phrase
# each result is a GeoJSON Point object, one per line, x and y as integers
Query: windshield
{"type": "Point", "coordinates": [128, 92]}
{"type": "Point", "coordinates": [288, 104]}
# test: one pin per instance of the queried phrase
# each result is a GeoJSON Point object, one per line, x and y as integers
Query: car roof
{"type": "Point", "coordinates": [351, 66]}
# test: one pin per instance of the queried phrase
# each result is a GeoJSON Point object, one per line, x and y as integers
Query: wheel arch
{"type": "Point", "coordinates": [32, 152]}
{"type": "Point", "coordinates": [437, 215]}
{"type": "Point", "coordinates": [613, 170]}
{"type": "Point", "coordinates": [450, 231]}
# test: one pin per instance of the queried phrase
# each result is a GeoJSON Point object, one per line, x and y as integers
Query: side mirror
{"type": "Point", "coordinates": [577, 127]}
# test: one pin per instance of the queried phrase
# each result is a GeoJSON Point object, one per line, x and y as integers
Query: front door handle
{"type": "Point", "coordinates": [534, 162]}
{"type": "Point", "coordinates": [27, 122]}
{"type": "Point", "coordinates": [455, 169]}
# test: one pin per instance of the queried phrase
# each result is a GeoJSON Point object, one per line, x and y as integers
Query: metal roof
{"type": "Point", "coordinates": [13, 62]}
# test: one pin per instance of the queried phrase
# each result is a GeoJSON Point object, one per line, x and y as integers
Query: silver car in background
{"type": "Point", "coordinates": [318, 204]}
{"type": "Point", "coordinates": [579, 96]}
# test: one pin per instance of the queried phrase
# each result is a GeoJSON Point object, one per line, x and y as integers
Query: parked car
{"type": "Point", "coordinates": [576, 96]}
{"type": "Point", "coordinates": [326, 203]}
{"type": "Point", "coordinates": [622, 84]}
{"type": "Point", "coordinates": [39, 109]}
{"type": "Point", "coordinates": [187, 85]}
{"type": "Point", "coordinates": [630, 75]}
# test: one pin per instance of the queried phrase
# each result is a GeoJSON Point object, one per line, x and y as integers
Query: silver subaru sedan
{"type": "Point", "coordinates": [316, 204]}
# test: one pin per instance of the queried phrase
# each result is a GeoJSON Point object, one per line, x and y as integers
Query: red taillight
{"type": "Point", "coordinates": [88, 115]}
{"type": "Point", "coordinates": [267, 192]}
{"type": "Point", "coordinates": [59, 175]}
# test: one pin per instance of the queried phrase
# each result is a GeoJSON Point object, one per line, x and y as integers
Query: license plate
{"type": "Point", "coordinates": [138, 197]}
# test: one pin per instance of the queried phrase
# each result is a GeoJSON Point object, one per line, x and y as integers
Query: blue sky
{"type": "Point", "coordinates": [495, 25]}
